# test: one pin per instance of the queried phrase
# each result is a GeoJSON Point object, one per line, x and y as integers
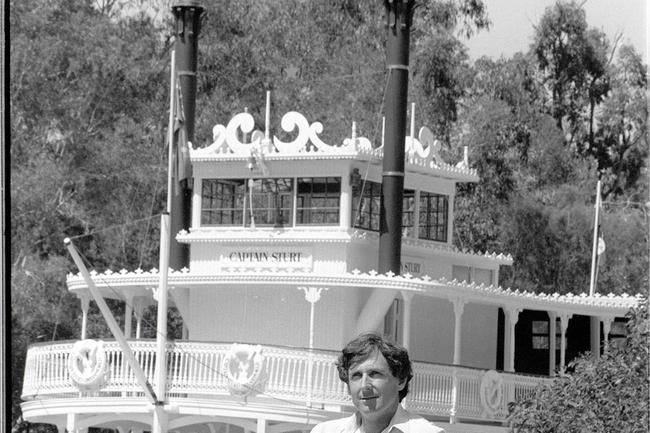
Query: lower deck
{"type": "Point", "coordinates": [289, 389]}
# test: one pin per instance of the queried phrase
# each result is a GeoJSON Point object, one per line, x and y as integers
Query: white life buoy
{"type": "Point", "coordinates": [243, 366]}
{"type": "Point", "coordinates": [491, 392]}
{"type": "Point", "coordinates": [87, 364]}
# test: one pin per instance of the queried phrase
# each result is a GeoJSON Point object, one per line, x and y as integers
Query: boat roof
{"type": "Point", "coordinates": [568, 304]}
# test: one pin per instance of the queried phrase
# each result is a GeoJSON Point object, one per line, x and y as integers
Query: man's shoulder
{"type": "Point", "coordinates": [332, 426]}
{"type": "Point", "coordinates": [419, 424]}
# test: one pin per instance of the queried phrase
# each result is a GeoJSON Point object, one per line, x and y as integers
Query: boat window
{"type": "Point", "coordinates": [366, 199]}
{"type": "Point", "coordinates": [471, 274]}
{"type": "Point", "coordinates": [617, 333]}
{"type": "Point", "coordinates": [540, 334]}
{"type": "Point", "coordinates": [271, 202]}
{"type": "Point", "coordinates": [433, 216]}
{"type": "Point", "coordinates": [222, 201]}
{"type": "Point", "coordinates": [461, 273]}
{"type": "Point", "coordinates": [408, 213]}
{"type": "Point", "coordinates": [483, 276]}
{"type": "Point", "coordinates": [318, 200]}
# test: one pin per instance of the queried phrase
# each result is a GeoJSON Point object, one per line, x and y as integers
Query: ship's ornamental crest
{"type": "Point", "coordinates": [244, 368]}
{"type": "Point", "coordinates": [87, 365]}
{"type": "Point", "coordinates": [491, 392]}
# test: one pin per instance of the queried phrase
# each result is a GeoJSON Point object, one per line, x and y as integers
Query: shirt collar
{"type": "Point", "coordinates": [399, 421]}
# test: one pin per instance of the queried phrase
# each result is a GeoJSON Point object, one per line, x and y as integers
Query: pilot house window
{"type": "Point", "coordinates": [366, 199]}
{"type": "Point", "coordinates": [270, 201]}
{"type": "Point", "coordinates": [433, 216]}
{"type": "Point", "coordinates": [223, 201]}
{"type": "Point", "coordinates": [318, 200]}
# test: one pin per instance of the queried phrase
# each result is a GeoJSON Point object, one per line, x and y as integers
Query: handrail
{"type": "Point", "coordinates": [195, 369]}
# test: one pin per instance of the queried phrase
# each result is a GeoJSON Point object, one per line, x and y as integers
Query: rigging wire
{"type": "Point", "coordinates": [374, 139]}
{"type": "Point", "coordinates": [114, 227]}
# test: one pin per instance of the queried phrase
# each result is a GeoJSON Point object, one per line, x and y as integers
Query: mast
{"type": "Point", "coordinates": [187, 14]}
{"type": "Point", "coordinates": [177, 216]}
{"type": "Point", "coordinates": [399, 14]}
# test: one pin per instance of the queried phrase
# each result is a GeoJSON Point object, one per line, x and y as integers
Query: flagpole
{"type": "Point", "coordinates": [594, 252]}
{"type": "Point", "coordinates": [160, 421]}
{"type": "Point", "coordinates": [170, 131]}
{"type": "Point", "coordinates": [594, 321]}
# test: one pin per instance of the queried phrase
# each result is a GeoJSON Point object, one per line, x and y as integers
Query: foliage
{"type": "Point", "coordinates": [573, 60]}
{"type": "Point", "coordinates": [600, 396]}
{"type": "Point", "coordinates": [621, 142]}
{"type": "Point", "coordinates": [542, 128]}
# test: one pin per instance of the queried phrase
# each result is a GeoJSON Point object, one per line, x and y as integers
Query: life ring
{"type": "Point", "coordinates": [243, 366]}
{"type": "Point", "coordinates": [491, 392]}
{"type": "Point", "coordinates": [87, 364]}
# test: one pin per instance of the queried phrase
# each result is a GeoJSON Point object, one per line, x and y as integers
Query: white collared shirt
{"type": "Point", "coordinates": [403, 421]}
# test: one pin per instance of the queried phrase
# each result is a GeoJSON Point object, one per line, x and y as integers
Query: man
{"type": "Point", "coordinates": [377, 373]}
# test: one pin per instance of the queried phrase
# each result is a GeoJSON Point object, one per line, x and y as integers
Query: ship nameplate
{"type": "Point", "coordinates": [267, 258]}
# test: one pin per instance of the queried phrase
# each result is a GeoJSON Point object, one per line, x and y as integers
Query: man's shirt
{"type": "Point", "coordinates": [403, 421]}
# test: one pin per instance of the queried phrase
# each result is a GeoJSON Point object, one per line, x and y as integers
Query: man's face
{"type": "Point", "coordinates": [373, 388]}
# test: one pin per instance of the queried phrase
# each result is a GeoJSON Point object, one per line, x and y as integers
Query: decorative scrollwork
{"type": "Point", "coordinates": [291, 121]}
{"type": "Point", "coordinates": [243, 122]}
{"type": "Point", "coordinates": [315, 129]}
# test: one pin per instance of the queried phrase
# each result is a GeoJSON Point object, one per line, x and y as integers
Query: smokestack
{"type": "Point", "coordinates": [399, 15]}
{"type": "Point", "coordinates": [187, 14]}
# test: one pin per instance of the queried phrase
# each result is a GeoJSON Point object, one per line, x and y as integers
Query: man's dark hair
{"type": "Point", "coordinates": [359, 349]}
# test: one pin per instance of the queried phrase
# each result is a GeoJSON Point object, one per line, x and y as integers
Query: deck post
{"type": "Point", "coordinates": [552, 346]}
{"type": "Point", "coordinates": [607, 327]}
{"type": "Point", "coordinates": [406, 323]}
{"type": "Point", "coordinates": [564, 324]}
{"type": "Point", "coordinates": [261, 425]}
{"type": "Point", "coordinates": [312, 295]}
{"type": "Point", "coordinates": [128, 315]}
{"type": "Point", "coordinates": [71, 423]}
{"type": "Point", "coordinates": [85, 304]}
{"type": "Point", "coordinates": [459, 307]}
{"type": "Point", "coordinates": [138, 308]}
{"type": "Point", "coordinates": [512, 317]}
{"type": "Point", "coordinates": [594, 336]}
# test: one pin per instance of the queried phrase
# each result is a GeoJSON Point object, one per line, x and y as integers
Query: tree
{"type": "Point", "coordinates": [573, 60]}
{"type": "Point", "coordinates": [440, 76]}
{"type": "Point", "coordinates": [600, 396]}
{"type": "Point", "coordinates": [86, 106]}
{"type": "Point", "coordinates": [621, 142]}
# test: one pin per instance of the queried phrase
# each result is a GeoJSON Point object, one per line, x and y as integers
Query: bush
{"type": "Point", "coordinates": [604, 395]}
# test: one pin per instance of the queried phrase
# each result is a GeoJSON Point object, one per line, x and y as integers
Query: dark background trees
{"type": "Point", "coordinates": [88, 111]}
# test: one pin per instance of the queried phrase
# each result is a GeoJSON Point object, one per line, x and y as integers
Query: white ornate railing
{"type": "Point", "coordinates": [196, 370]}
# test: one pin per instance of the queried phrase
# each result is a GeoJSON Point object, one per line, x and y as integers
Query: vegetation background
{"type": "Point", "coordinates": [88, 117]}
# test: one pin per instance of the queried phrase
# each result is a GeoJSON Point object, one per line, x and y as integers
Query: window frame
{"type": "Point", "coordinates": [366, 206]}
{"type": "Point", "coordinates": [430, 227]}
{"type": "Point", "coordinates": [268, 197]}
{"type": "Point", "coordinates": [234, 197]}
{"type": "Point", "coordinates": [307, 212]}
